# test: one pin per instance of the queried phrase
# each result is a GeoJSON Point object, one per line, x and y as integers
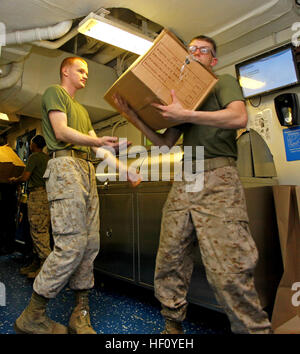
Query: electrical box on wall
{"type": "Point", "coordinates": [287, 109]}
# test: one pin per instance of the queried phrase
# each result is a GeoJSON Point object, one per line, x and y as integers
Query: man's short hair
{"type": "Point", "coordinates": [39, 141]}
{"type": "Point", "coordinates": [202, 37]}
{"type": "Point", "coordinates": [69, 61]}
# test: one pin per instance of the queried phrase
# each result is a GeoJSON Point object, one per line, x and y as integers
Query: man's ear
{"type": "Point", "coordinates": [64, 71]}
{"type": "Point", "coordinates": [214, 62]}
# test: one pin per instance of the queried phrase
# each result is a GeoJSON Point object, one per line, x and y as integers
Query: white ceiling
{"type": "Point", "coordinates": [224, 19]}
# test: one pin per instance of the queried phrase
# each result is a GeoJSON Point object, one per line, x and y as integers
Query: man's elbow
{"type": "Point", "coordinates": [59, 135]}
{"type": "Point", "coordinates": [242, 121]}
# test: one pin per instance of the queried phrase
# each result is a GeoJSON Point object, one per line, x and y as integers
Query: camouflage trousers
{"type": "Point", "coordinates": [39, 221]}
{"type": "Point", "coordinates": [218, 216]}
{"type": "Point", "coordinates": [74, 207]}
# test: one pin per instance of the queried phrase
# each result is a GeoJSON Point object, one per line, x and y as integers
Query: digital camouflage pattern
{"type": "Point", "coordinates": [74, 207]}
{"type": "Point", "coordinates": [39, 221]}
{"type": "Point", "coordinates": [217, 215]}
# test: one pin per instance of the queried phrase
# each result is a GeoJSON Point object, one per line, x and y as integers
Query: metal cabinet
{"type": "Point", "coordinates": [130, 227]}
{"type": "Point", "coordinates": [116, 255]}
{"type": "Point", "coordinates": [149, 210]}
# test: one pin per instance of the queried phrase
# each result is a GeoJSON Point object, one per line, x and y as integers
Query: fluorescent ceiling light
{"type": "Point", "coordinates": [4, 116]}
{"type": "Point", "coordinates": [114, 33]}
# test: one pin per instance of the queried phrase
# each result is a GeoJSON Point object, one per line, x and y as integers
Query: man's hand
{"type": "Point", "coordinates": [108, 141]}
{"type": "Point", "coordinates": [12, 180]}
{"type": "Point", "coordinates": [23, 178]}
{"type": "Point", "coordinates": [174, 112]}
{"type": "Point", "coordinates": [133, 177]}
{"type": "Point", "coordinates": [124, 109]}
{"type": "Point", "coordinates": [113, 142]}
{"type": "Point", "coordinates": [169, 137]}
{"type": "Point", "coordinates": [121, 104]}
{"type": "Point", "coordinates": [122, 145]}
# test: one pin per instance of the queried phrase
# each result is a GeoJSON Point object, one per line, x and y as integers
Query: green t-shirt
{"type": "Point", "coordinates": [56, 98]}
{"type": "Point", "coordinates": [216, 141]}
{"type": "Point", "coordinates": [37, 164]}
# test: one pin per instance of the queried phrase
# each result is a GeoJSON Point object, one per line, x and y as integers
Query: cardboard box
{"type": "Point", "coordinates": [10, 164]}
{"type": "Point", "coordinates": [152, 76]}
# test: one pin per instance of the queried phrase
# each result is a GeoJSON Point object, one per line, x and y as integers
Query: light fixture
{"type": "Point", "coordinates": [11, 118]}
{"type": "Point", "coordinates": [4, 116]}
{"type": "Point", "coordinates": [114, 33]}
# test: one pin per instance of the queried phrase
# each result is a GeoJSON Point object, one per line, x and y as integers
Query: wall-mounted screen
{"type": "Point", "coordinates": [268, 72]}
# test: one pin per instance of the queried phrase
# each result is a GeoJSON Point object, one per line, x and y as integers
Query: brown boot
{"type": "Point", "coordinates": [80, 322]}
{"type": "Point", "coordinates": [34, 320]}
{"type": "Point", "coordinates": [172, 327]}
{"type": "Point", "coordinates": [34, 273]}
{"type": "Point", "coordinates": [31, 268]}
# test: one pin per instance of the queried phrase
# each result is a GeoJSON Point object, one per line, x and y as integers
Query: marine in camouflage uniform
{"type": "Point", "coordinates": [217, 214]}
{"type": "Point", "coordinates": [74, 206]}
{"type": "Point", "coordinates": [37, 204]}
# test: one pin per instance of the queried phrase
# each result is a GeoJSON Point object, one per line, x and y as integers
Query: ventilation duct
{"type": "Point", "coordinates": [13, 76]}
{"type": "Point", "coordinates": [38, 34]}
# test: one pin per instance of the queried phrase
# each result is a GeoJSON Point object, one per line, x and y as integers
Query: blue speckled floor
{"type": "Point", "coordinates": [116, 307]}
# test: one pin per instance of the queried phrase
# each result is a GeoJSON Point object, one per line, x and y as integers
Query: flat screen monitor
{"type": "Point", "coordinates": [268, 72]}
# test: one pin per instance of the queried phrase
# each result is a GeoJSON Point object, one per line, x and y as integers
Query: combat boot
{"type": "Point", "coordinates": [172, 327]}
{"type": "Point", "coordinates": [34, 320]}
{"type": "Point", "coordinates": [31, 267]}
{"type": "Point", "coordinates": [80, 322]}
{"type": "Point", "coordinates": [34, 273]}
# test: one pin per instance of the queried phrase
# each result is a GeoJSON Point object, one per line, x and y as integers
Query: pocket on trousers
{"type": "Point", "coordinates": [35, 221]}
{"type": "Point", "coordinates": [64, 220]}
{"type": "Point", "coordinates": [240, 251]}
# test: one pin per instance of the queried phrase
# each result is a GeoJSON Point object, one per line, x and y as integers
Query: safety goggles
{"type": "Point", "coordinates": [203, 50]}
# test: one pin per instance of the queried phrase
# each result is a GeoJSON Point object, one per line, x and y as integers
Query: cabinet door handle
{"type": "Point", "coordinates": [109, 233]}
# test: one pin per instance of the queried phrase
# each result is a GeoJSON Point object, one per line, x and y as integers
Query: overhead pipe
{"type": "Point", "coordinates": [38, 34]}
{"type": "Point", "coordinates": [58, 43]}
{"type": "Point", "coordinates": [13, 76]}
